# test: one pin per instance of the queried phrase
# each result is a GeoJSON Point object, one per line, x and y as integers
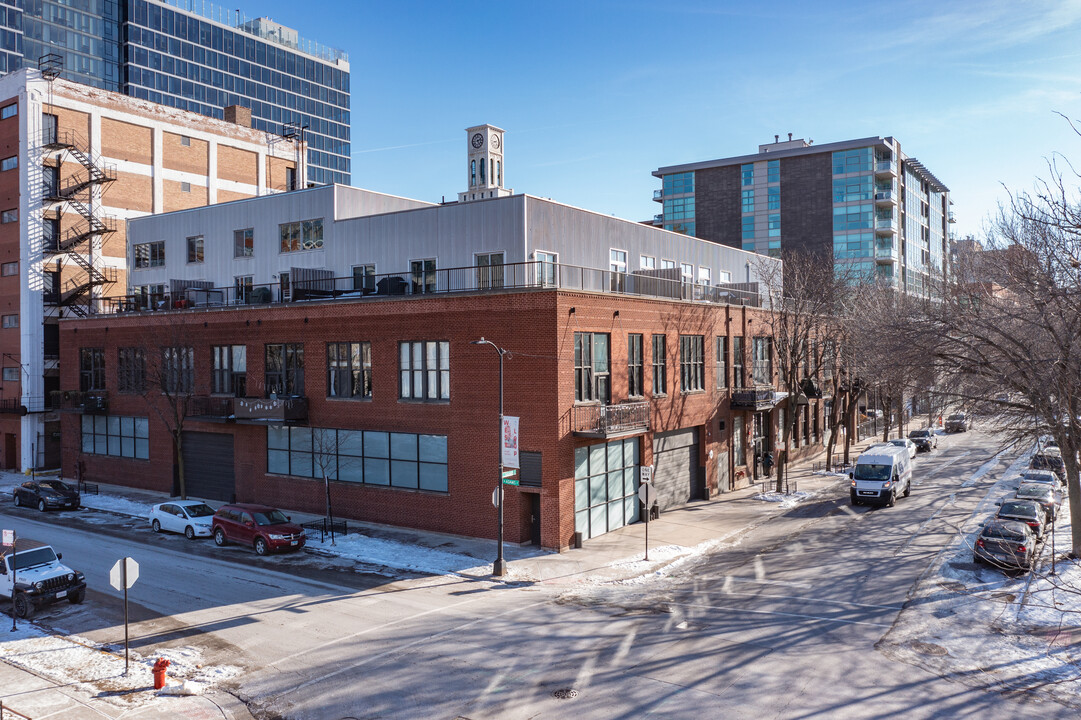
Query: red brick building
{"type": "Point", "coordinates": [389, 396]}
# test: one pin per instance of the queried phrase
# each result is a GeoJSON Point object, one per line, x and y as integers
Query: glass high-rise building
{"type": "Point", "coordinates": [193, 55]}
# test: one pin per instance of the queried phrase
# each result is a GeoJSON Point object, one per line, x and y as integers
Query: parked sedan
{"type": "Point", "coordinates": [45, 494]}
{"type": "Point", "coordinates": [191, 517]}
{"type": "Point", "coordinates": [1042, 476]}
{"type": "Point", "coordinates": [1005, 543]}
{"type": "Point", "coordinates": [1041, 493]}
{"type": "Point", "coordinates": [907, 445]}
{"type": "Point", "coordinates": [1026, 511]}
{"type": "Point", "coordinates": [258, 526]}
{"type": "Point", "coordinates": [926, 440]}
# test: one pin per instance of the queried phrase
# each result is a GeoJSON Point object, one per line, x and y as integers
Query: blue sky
{"type": "Point", "coordinates": [595, 95]}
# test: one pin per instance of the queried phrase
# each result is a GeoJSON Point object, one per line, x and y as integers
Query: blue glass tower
{"type": "Point", "coordinates": [193, 55]}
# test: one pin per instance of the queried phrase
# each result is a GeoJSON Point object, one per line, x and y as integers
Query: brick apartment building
{"type": "Point", "coordinates": [331, 330]}
{"type": "Point", "coordinates": [75, 162]}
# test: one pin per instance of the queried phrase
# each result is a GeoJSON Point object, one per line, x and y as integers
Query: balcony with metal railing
{"type": "Point", "coordinates": [534, 275]}
{"type": "Point", "coordinates": [658, 195]}
{"type": "Point", "coordinates": [611, 421]}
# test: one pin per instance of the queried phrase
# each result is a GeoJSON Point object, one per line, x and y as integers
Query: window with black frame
{"type": "Point", "coordinates": [738, 376]}
{"type": "Point", "coordinates": [229, 375]}
{"type": "Point", "coordinates": [720, 364]}
{"type": "Point", "coordinates": [91, 369]}
{"type": "Point", "coordinates": [762, 367]}
{"type": "Point", "coordinates": [692, 368]}
{"type": "Point", "coordinates": [177, 370]}
{"type": "Point", "coordinates": [349, 370]}
{"type": "Point", "coordinates": [424, 370]}
{"type": "Point", "coordinates": [284, 374]}
{"type": "Point", "coordinates": [660, 365]}
{"type": "Point", "coordinates": [131, 370]}
{"type": "Point", "coordinates": [592, 373]}
{"type": "Point", "coordinates": [635, 370]}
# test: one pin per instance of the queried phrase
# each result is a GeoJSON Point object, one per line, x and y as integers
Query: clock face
{"type": "Point", "coordinates": [495, 142]}
{"type": "Point", "coordinates": [477, 140]}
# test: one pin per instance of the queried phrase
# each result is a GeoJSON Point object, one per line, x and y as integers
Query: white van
{"type": "Point", "coordinates": [880, 474]}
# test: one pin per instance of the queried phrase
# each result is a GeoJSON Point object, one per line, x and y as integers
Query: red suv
{"type": "Point", "coordinates": [262, 527]}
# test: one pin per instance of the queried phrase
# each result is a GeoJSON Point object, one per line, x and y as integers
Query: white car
{"type": "Point", "coordinates": [907, 444]}
{"type": "Point", "coordinates": [191, 517]}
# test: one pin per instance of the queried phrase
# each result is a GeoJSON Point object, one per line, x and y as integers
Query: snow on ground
{"type": "Point", "coordinates": [99, 669]}
{"type": "Point", "coordinates": [1011, 631]}
{"type": "Point", "coordinates": [787, 500]}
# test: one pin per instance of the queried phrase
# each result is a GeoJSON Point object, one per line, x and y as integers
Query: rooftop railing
{"type": "Point", "coordinates": [478, 279]}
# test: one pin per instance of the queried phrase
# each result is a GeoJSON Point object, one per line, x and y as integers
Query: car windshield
{"type": "Point", "coordinates": [29, 558]}
{"type": "Point", "coordinates": [1033, 491]}
{"type": "Point", "coordinates": [1018, 509]}
{"type": "Point", "coordinates": [1038, 475]}
{"type": "Point", "coordinates": [198, 511]}
{"type": "Point", "coordinates": [55, 485]}
{"type": "Point", "coordinates": [271, 517]}
{"type": "Point", "coordinates": [918, 434]}
{"type": "Point", "coordinates": [899, 443]}
{"type": "Point", "coordinates": [1001, 530]}
{"type": "Point", "coordinates": [956, 417]}
{"type": "Point", "coordinates": [870, 471]}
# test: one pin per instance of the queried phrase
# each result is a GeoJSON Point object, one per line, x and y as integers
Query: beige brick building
{"type": "Point", "coordinates": [76, 163]}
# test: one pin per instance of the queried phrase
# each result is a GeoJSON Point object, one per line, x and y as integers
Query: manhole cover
{"type": "Point", "coordinates": [924, 648]}
{"type": "Point", "coordinates": [565, 694]}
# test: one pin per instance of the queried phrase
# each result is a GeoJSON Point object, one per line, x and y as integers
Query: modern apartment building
{"type": "Point", "coordinates": [196, 56]}
{"type": "Point", "coordinates": [75, 163]}
{"type": "Point", "coordinates": [877, 212]}
{"type": "Point", "coordinates": [332, 331]}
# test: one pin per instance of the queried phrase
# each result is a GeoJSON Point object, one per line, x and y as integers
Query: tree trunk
{"type": "Point", "coordinates": [178, 447]}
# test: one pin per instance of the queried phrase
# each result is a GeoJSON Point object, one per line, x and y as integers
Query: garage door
{"type": "Point", "coordinates": [208, 466]}
{"type": "Point", "coordinates": [675, 467]}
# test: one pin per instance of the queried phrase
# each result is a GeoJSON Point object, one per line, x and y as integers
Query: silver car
{"type": "Point", "coordinates": [191, 517]}
{"type": "Point", "coordinates": [1005, 543]}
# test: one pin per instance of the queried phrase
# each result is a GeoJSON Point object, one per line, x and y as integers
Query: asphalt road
{"type": "Point", "coordinates": [781, 625]}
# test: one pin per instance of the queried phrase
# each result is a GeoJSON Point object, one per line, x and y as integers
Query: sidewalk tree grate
{"type": "Point", "coordinates": [565, 694]}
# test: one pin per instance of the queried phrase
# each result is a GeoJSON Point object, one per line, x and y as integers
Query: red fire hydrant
{"type": "Point", "coordinates": [159, 673]}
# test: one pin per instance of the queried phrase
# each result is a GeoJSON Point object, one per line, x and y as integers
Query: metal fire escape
{"type": "Point", "coordinates": [76, 194]}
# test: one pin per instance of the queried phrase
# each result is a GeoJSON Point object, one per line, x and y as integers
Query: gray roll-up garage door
{"type": "Point", "coordinates": [208, 466]}
{"type": "Point", "coordinates": [675, 467]}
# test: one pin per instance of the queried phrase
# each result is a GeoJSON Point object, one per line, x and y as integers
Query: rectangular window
{"type": "Point", "coordinates": [762, 359]}
{"type": "Point", "coordinates": [748, 227]}
{"type": "Point", "coordinates": [9, 268]}
{"type": "Point", "coordinates": [422, 274]}
{"type": "Point", "coordinates": [230, 372]}
{"type": "Point", "coordinates": [775, 226]}
{"type": "Point", "coordinates": [91, 369]}
{"type": "Point", "coordinates": [185, 187]}
{"type": "Point", "coordinates": [185, 140]}
{"type": "Point", "coordinates": [349, 370]}
{"type": "Point", "coordinates": [242, 285]}
{"type": "Point", "coordinates": [592, 373]}
{"type": "Point", "coordinates": [131, 370]}
{"type": "Point", "coordinates": [547, 268]}
{"type": "Point", "coordinates": [660, 366]}
{"type": "Point", "coordinates": [9, 216]}
{"type": "Point", "coordinates": [400, 460]}
{"type": "Point", "coordinates": [692, 366]}
{"type": "Point", "coordinates": [773, 171]}
{"type": "Point", "coordinates": [117, 435]}
{"type": "Point", "coordinates": [148, 255]}
{"type": "Point", "coordinates": [747, 174]}
{"type": "Point", "coordinates": [739, 454]}
{"type": "Point", "coordinates": [605, 486]}
{"type": "Point", "coordinates": [424, 368]}
{"type": "Point", "coordinates": [617, 264]}
{"type": "Point", "coordinates": [195, 249]}
{"type": "Point", "coordinates": [635, 370]}
{"type": "Point", "coordinates": [773, 198]}
{"type": "Point", "coordinates": [738, 378]}
{"type": "Point", "coordinates": [720, 364]}
{"type": "Point", "coordinates": [177, 370]}
{"type": "Point", "coordinates": [364, 278]}
{"type": "Point", "coordinates": [284, 371]}
{"type": "Point", "coordinates": [667, 264]}
{"type": "Point", "coordinates": [703, 275]}
{"type": "Point", "coordinates": [747, 201]}
{"type": "Point", "coordinates": [50, 125]}
{"type": "Point", "coordinates": [648, 262]}
{"type": "Point", "coordinates": [244, 242]}
{"type": "Point", "coordinates": [489, 271]}
{"type": "Point", "coordinates": [9, 163]}
{"type": "Point", "coordinates": [304, 235]}
{"type": "Point", "coordinates": [11, 374]}
{"type": "Point", "coordinates": [686, 272]}
{"type": "Point", "coordinates": [9, 111]}
{"type": "Point", "coordinates": [11, 321]}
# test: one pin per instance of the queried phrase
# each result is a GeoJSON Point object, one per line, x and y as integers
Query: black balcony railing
{"type": "Point", "coordinates": [12, 406]}
{"type": "Point", "coordinates": [91, 402]}
{"type": "Point", "coordinates": [268, 410]}
{"type": "Point", "coordinates": [606, 421]}
{"type": "Point", "coordinates": [210, 407]}
{"type": "Point", "coordinates": [757, 398]}
{"type": "Point", "coordinates": [485, 279]}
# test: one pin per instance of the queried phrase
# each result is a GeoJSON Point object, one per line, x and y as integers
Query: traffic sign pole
{"type": "Point", "coordinates": [124, 581]}
{"type": "Point", "coordinates": [14, 569]}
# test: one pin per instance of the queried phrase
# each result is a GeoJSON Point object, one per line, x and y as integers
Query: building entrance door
{"type": "Point", "coordinates": [9, 452]}
{"type": "Point", "coordinates": [535, 518]}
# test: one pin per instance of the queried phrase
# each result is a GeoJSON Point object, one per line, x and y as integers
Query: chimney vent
{"type": "Point", "coordinates": [776, 138]}
{"type": "Point", "coordinates": [789, 137]}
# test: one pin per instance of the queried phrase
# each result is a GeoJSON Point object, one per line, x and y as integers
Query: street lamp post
{"type": "Point", "coordinates": [500, 568]}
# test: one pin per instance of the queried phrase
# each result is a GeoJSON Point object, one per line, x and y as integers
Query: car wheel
{"type": "Point", "coordinates": [260, 546]}
{"type": "Point", "coordinates": [41, 505]}
{"type": "Point", "coordinates": [156, 526]}
{"type": "Point", "coordinates": [77, 597]}
{"type": "Point", "coordinates": [23, 607]}
{"type": "Point", "coordinates": [18, 500]}
{"type": "Point", "coordinates": [976, 559]}
{"type": "Point", "coordinates": [219, 538]}
{"type": "Point", "coordinates": [189, 533]}
{"type": "Point", "coordinates": [893, 499]}
{"type": "Point", "coordinates": [908, 489]}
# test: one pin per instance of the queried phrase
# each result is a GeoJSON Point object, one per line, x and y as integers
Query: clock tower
{"type": "Point", "coordinates": [484, 164]}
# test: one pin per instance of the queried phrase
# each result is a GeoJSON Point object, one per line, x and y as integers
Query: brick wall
{"type": "Point", "coordinates": [717, 205]}
{"type": "Point", "coordinates": [126, 141]}
{"type": "Point", "coordinates": [239, 165]}
{"type": "Point", "coordinates": [192, 158]}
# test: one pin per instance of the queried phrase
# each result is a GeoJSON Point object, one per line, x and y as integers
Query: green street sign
{"type": "Point", "coordinates": [509, 473]}
{"type": "Point", "coordinates": [510, 481]}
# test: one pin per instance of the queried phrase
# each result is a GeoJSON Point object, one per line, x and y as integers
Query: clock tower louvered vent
{"type": "Point", "coordinates": [484, 164]}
